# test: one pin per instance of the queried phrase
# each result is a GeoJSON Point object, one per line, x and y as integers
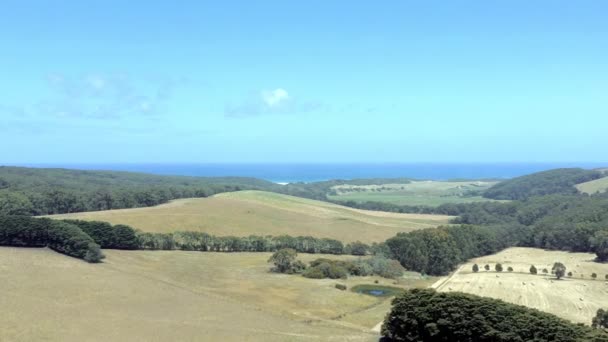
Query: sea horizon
{"type": "Point", "coordinates": [314, 172]}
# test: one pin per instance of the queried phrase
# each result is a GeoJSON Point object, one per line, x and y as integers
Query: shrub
{"type": "Point", "coordinates": [326, 269]}
{"type": "Point", "coordinates": [533, 270]}
{"type": "Point", "coordinates": [558, 269]}
{"type": "Point", "coordinates": [569, 274]}
{"type": "Point", "coordinates": [498, 267]}
{"type": "Point", "coordinates": [545, 270]}
{"type": "Point", "coordinates": [487, 267]}
{"type": "Point", "coordinates": [314, 273]}
{"type": "Point", "coordinates": [475, 268]}
{"type": "Point", "coordinates": [357, 248]}
{"type": "Point", "coordinates": [341, 287]}
{"type": "Point", "coordinates": [594, 275]}
{"type": "Point", "coordinates": [510, 269]}
{"type": "Point", "coordinates": [93, 254]}
{"type": "Point", "coordinates": [284, 261]}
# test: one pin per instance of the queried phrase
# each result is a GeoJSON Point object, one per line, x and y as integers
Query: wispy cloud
{"type": "Point", "coordinates": [104, 96]}
{"type": "Point", "coordinates": [269, 102]}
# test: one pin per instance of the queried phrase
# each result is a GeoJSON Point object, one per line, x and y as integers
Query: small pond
{"type": "Point", "coordinates": [377, 290]}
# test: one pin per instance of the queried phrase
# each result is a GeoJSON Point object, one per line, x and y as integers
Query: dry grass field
{"type": "Point", "coordinates": [576, 298]}
{"type": "Point", "coordinates": [178, 296]}
{"type": "Point", "coordinates": [245, 213]}
{"type": "Point", "coordinates": [594, 186]}
{"type": "Point", "coordinates": [429, 193]}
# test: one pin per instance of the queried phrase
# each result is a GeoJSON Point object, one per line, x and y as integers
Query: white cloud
{"type": "Point", "coordinates": [274, 98]}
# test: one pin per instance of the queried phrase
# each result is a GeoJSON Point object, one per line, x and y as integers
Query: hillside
{"type": "Point", "coordinates": [594, 186]}
{"type": "Point", "coordinates": [575, 298]}
{"type": "Point", "coordinates": [262, 213]}
{"type": "Point", "coordinates": [175, 296]}
{"type": "Point", "coordinates": [557, 181]}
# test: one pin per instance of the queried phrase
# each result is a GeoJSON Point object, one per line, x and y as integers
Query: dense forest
{"type": "Point", "coordinates": [31, 191]}
{"type": "Point", "coordinates": [422, 315]}
{"type": "Point", "coordinates": [557, 181]}
{"type": "Point", "coordinates": [576, 223]}
{"type": "Point", "coordinates": [34, 191]}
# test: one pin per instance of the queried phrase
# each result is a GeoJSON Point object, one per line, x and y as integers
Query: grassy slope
{"type": "Point", "coordinates": [594, 186]}
{"type": "Point", "coordinates": [576, 299]}
{"type": "Point", "coordinates": [172, 295]}
{"type": "Point", "coordinates": [254, 212]}
{"type": "Point", "coordinates": [429, 193]}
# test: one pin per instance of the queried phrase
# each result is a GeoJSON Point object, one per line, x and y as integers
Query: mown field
{"type": "Point", "coordinates": [179, 296]}
{"type": "Point", "coordinates": [429, 193]}
{"type": "Point", "coordinates": [594, 186]}
{"type": "Point", "coordinates": [245, 213]}
{"type": "Point", "coordinates": [576, 298]}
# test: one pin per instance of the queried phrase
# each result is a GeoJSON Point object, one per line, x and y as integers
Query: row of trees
{"type": "Point", "coordinates": [199, 241]}
{"type": "Point", "coordinates": [425, 315]}
{"type": "Point", "coordinates": [63, 237]}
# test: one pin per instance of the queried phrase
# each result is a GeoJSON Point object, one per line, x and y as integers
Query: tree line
{"type": "Point", "coordinates": [63, 237]}
{"type": "Point", "coordinates": [199, 241]}
{"type": "Point", "coordinates": [422, 315]}
{"type": "Point", "coordinates": [83, 239]}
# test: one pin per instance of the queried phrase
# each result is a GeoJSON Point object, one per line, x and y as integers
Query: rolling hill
{"type": "Point", "coordinates": [245, 213]}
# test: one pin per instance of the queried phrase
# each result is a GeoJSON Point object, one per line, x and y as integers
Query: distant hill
{"type": "Point", "coordinates": [37, 191]}
{"type": "Point", "coordinates": [558, 181]}
{"type": "Point", "coordinates": [244, 213]}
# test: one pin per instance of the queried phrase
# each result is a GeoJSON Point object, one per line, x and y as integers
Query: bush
{"type": "Point", "coordinates": [533, 270]}
{"type": "Point", "coordinates": [510, 269]}
{"type": "Point", "coordinates": [314, 273]}
{"type": "Point", "coordinates": [569, 274]}
{"type": "Point", "coordinates": [284, 261]}
{"type": "Point", "coordinates": [475, 268]}
{"type": "Point", "coordinates": [594, 275]}
{"type": "Point", "coordinates": [326, 270]}
{"type": "Point", "coordinates": [357, 248]}
{"type": "Point", "coordinates": [93, 254]}
{"type": "Point", "coordinates": [498, 267]}
{"type": "Point", "coordinates": [341, 287]}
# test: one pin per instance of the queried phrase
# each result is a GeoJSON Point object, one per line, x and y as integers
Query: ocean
{"type": "Point", "coordinates": [290, 173]}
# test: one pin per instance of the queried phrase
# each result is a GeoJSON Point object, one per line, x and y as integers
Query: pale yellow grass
{"type": "Point", "coordinates": [594, 186]}
{"type": "Point", "coordinates": [177, 296]}
{"type": "Point", "coordinates": [576, 299]}
{"type": "Point", "coordinates": [245, 213]}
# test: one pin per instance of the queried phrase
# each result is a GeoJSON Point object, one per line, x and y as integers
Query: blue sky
{"type": "Point", "coordinates": [307, 81]}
